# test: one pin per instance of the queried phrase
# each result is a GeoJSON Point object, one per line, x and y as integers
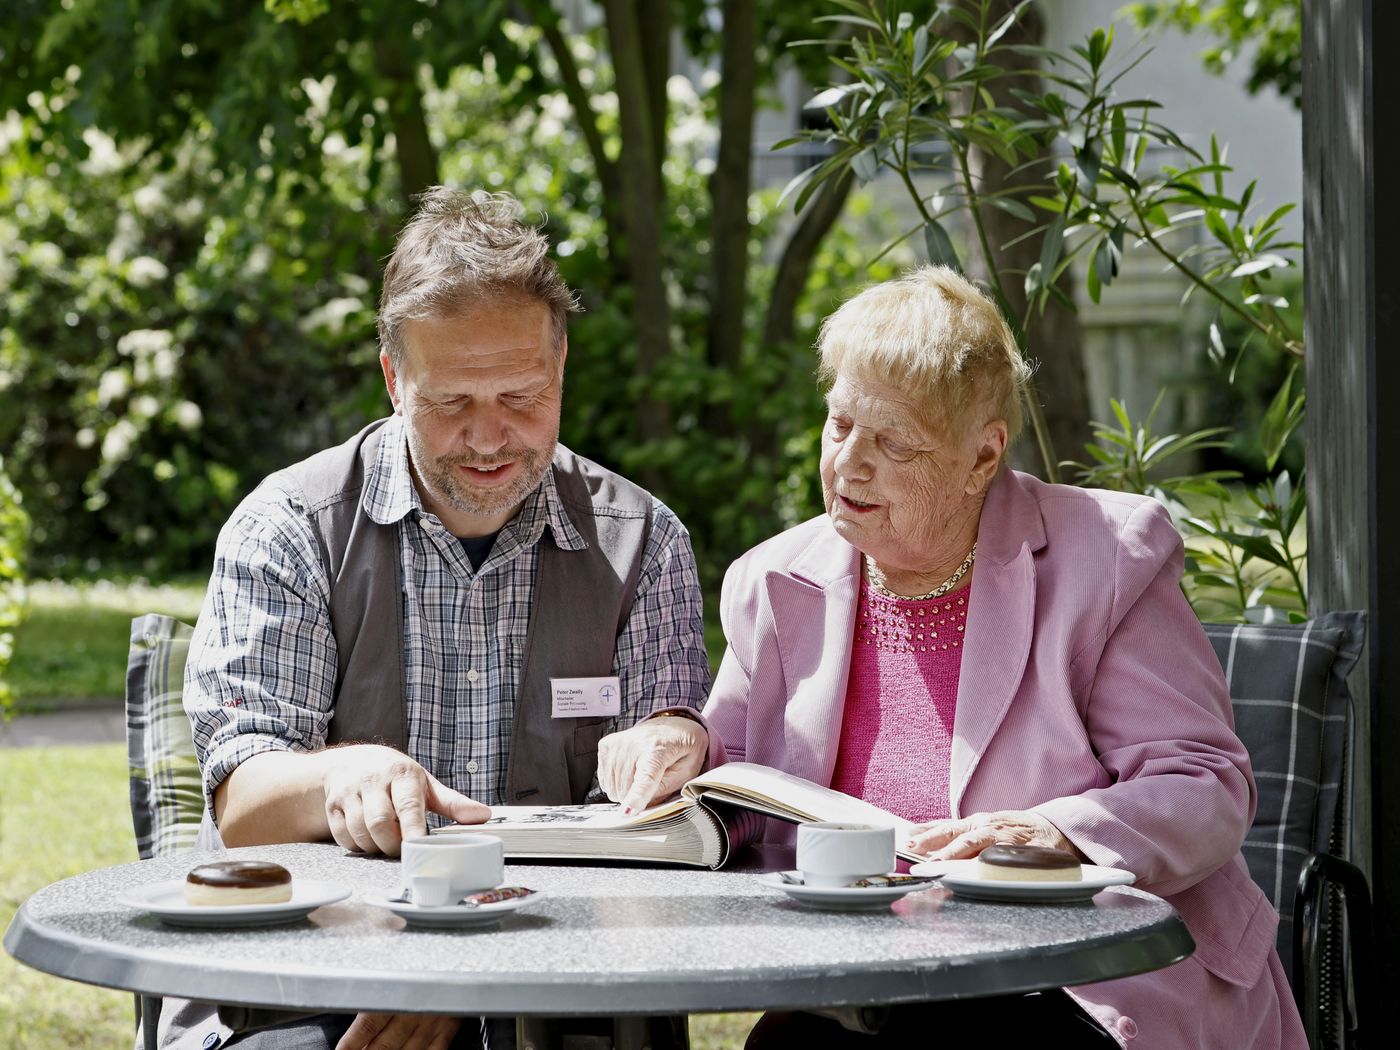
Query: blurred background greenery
{"type": "Point", "coordinates": [196, 200]}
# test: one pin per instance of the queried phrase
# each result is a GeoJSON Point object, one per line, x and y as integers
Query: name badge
{"type": "Point", "coordinates": [586, 697]}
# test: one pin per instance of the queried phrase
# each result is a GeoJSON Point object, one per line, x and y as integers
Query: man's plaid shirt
{"type": "Point", "coordinates": [262, 666]}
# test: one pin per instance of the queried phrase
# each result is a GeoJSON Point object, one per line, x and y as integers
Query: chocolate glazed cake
{"type": "Point", "coordinates": [238, 882]}
{"type": "Point", "coordinates": [1027, 864]}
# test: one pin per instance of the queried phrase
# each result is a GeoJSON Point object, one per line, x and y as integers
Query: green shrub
{"type": "Point", "coordinates": [168, 338]}
{"type": "Point", "coordinates": [14, 527]}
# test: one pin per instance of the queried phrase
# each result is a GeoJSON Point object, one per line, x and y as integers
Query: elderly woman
{"type": "Point", "coordinates": [995, 658]}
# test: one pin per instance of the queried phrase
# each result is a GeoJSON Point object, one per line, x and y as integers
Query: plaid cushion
{"type": "Point", "coordinates": [167, 796]}
{"type": "Point", "coordinates": [1288, 687]}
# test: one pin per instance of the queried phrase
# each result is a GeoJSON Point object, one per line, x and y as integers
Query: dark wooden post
{"type": "Point", "coordinates": [1351, 224]}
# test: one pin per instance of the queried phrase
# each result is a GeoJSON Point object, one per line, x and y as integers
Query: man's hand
{"type": "Point", "coordinates": [376, 797]}
{"type": "Point", "coordinates": [651, 760]}
{"type": "Point", "coordinates": [399, 1032]}
{"type": "Point", "coordinates": [952, 839]}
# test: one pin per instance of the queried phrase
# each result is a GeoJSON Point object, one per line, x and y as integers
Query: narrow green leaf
{"type": "Point", "coordinates": [1264, 262]}
{"type": "Point", "coordinates": [1107, 258]}
{"type": "Point", "coordinates": [1256, 546]}
{"type": "Point", "coordinates": [1118, 134]}
{"type": "Point", "coordinates": [1121, 413]}
{"type": "Point", "coordinates": [1216, 349]}
{"type": "Point", "coordinates": [940, 245]}
{"type": "Point", "coordinates": [1281, 419]}
{"type": "Point", "coordinates": [1011, 206]}
{"type": "Point", "coordinates": [1005, 24]}
{"type": "Point", "coordinates": [1087, 161]}
{"type": "Point", "coordinates": [852, 20]}
{"type": "Point", "coordinates": [1246, 197]}
{"type": "Point", "coordinates": [1033, 281]}
{"type": "Point", "coordinates": [866, 164]}
{"type": "Point", "coordinates": [1278, 213]}
{"type": "Point", "coordinates": [1218, 227]}
{"type": "Point", "coordinates": [1050, 247]}
{"type": "Point", "coordinates": [832, 96]}
{"type": "Point", "coordinates": [797, 182]}
{"type": "Point", "coordinates": [1122, 176]}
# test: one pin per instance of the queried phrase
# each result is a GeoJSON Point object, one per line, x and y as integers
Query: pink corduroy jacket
{"type": "Point", "coordinates": [1088, 693]}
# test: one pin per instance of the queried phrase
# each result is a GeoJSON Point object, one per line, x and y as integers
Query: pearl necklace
{"type": "Point", "coordinates": [877, 580]}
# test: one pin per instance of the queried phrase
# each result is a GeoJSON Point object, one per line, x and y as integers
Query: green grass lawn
{"type": "Point", "coordinates": [73, 641]}
{"type": "Point", "coordinates": [83, 789]}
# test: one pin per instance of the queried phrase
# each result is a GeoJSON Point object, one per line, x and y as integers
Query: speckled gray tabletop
{"type": "Point", "coordinates": [603, 940]}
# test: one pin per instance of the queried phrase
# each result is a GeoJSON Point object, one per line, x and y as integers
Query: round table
{"type": "Point", "coordinates": [603, 940]}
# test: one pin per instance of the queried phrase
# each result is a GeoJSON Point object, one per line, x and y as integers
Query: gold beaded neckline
{"type": "Point", "coordinates": [877, 580]}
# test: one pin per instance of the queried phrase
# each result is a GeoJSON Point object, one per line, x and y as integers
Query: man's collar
{"type": "Point", "coordinates": [566, 537]}
{"type": "Point", "coordinates": [390, 495]}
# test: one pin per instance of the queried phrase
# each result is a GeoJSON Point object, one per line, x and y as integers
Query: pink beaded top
{"type": "Point", "coordinates": [897, 730]}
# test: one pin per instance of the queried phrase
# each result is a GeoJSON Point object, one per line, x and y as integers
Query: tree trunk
{"type": "Point", "coordinates": [729, 196]}
{"type": "Point", "coordinates": [413, 149]}
{"type": "Point", "coordinates": [614, 221]}
{"type": "Point", "coordinates": [638, 164]}
{"type": "Point", "coordinates": [654, 29]}
{"type": "Point", "coordinates": [1055, 339]}
{"type": "Point", "coordinates": [779, 321]}
{"type": "Point", "coordinates": [796, 262]}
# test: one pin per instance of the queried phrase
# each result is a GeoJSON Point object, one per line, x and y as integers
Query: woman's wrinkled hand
{"type": "Point", "coordinates": [954, 839]}
{"type": "Point", "coordinates": [651, 760]}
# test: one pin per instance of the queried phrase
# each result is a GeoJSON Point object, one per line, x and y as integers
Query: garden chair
{"type": "Point", "coordinates": [1288, 688]}
{"type": "Point", "coordinates": [167, 794]}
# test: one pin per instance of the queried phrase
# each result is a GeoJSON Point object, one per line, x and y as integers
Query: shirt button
{"type": "Point", "coordinates": [1127, 1028]}
{"type": "Point", "coordinates": [473, 675]}
{"type": "Point", "coordinates": [472, 766]}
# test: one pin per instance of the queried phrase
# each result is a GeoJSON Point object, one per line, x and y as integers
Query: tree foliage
{"type": "Point", "coordinates": [198, 197]}
{"type": "Point", "coordinates": [1085, 181]}
{"type": "Point", "coordinates": [1266, 33]}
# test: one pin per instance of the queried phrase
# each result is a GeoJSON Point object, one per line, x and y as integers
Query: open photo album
{"type": "Point", "coordinates": [715, 815]}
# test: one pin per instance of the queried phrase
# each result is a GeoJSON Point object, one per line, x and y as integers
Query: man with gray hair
{"type": "Point", "coordinates": [384, 619]}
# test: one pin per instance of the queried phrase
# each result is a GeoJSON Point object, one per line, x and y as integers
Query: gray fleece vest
{"type": "Point", "coordinates": [582, 600]}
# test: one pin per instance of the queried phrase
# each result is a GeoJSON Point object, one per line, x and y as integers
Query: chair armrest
{"type": "Point", "coordinates": [1320, 871]}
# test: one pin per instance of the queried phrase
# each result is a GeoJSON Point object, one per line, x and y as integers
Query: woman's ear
{"type": "Point", "coordinates": [991, 445]}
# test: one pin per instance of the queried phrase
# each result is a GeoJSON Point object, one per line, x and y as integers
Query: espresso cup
{"type": "Point", "coordinates": [838, 853]}
{"type": "Point", "coordinates": [467, 862]}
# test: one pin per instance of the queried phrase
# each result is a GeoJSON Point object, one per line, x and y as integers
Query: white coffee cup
{"type": "Point", "coordinates": [464, 862]}
{"type": "Point", "coordinates": [838, 853]}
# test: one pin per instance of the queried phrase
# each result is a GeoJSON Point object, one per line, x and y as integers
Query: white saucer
{"type": "Point", "coordinates": [961, 877]}
{"type": "Point", "coordinates": [453, 915]}
{"type": "Point", "coordinates": [841, 898]}
{"type": "Point", "coordinates": [167, 900]}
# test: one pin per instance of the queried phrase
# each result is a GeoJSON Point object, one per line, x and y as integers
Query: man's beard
{"type": "Point", "coordinates": [442, 477]}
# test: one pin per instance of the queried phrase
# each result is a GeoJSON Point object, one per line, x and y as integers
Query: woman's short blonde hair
{"type": "Point", "coordinates": [936, 332]}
